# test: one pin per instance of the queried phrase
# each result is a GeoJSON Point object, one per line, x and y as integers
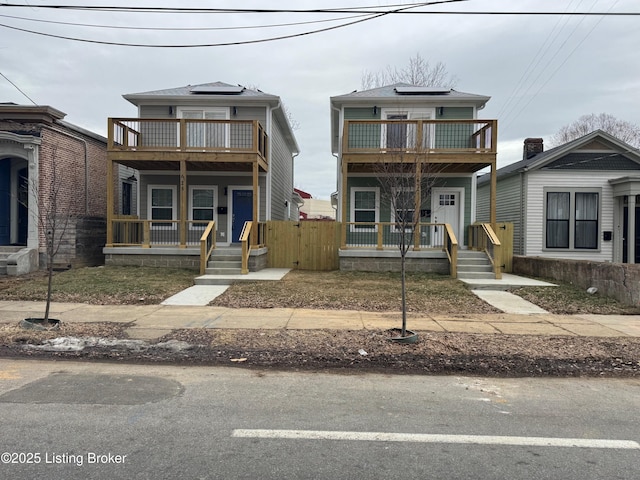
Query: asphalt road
{"type": "Point", "coordinates": [64, 420]}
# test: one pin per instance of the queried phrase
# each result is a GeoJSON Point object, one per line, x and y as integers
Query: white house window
{"type": "Point", "coordinates": [206, 134]}
{"type": "Point", "coordinates": [572, 220]}
{"type": "Point", "coordinates": [162, 205]}
{"type": "Point", "coordinates": [447, 199]}
{"type": "Point", "coordinates": [202, 205]}
{"type": "Point", "coordinates": [364, 208]}
{"type": "Point", "coordinates": [403, 209]}
{"type": "Point", "coordinates": [586, 225]}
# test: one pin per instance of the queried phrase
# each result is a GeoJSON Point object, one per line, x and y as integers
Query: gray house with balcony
{"type": "Point", "coordinates": [212, 158]}
{"type": "Point", "coordinates": [409, 133]}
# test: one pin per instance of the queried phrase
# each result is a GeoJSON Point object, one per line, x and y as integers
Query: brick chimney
{"type": "Point", "coordinates": [532, 147]}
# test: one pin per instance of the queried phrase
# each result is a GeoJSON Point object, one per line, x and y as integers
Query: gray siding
{"type": "Point", "coordinates": [156, 111]}
{"type": "Point", "coordinates": [281, 167]}
{"type": "Point", "coordinates": [509, 207]}
{"type": "Point", "coordinates": [595, 181]}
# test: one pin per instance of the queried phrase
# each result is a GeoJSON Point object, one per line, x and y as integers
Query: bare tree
{"type": "Point", "coordinates": [418, 72]}
{"type": "Point", "coordinates": [406, 182]}
{"type": "Point", "coordinates": [626, 131]}
{"type": "Point", "coordinates": [54, 212]}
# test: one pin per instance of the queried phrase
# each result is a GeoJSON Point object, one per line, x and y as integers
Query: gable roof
{"type": "Point", "coordinates": [203, 90]}
{"type": "Point", "coordinates": [222, 92]}
{"type": "Point", "coordinates": [407, 93]}
{"type": "Point", "coordinates": [570, 157]}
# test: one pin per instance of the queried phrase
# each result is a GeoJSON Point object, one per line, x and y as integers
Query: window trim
{"type": "Point", "coordinates": [411, 114]}
{"type": "Point", "coordinates": [214, 188]}
{"type": "Point", "coordinates": [204, 110]}
{"type": "Point", "coordinates": [174, 206]}
{"type": "Point", "coordinates": [393, 211]}
{"type": "Point", "coordinates": [352, 209]}
{"type": "Point", "coordinates": [572, 218]}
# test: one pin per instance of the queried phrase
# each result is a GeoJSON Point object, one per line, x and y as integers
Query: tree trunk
{"type": "Point", "coordinates": [404, 295]}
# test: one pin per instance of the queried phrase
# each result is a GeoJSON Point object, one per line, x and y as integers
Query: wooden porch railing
{"type": "Point", "coordinates": [207, 245]}
{"type": "Point", "coordinates": [386, 235]}
{"type": "Point", "coordinates": [483, 238]}
{"type": "Point", "coordinates": [451, 247]}
{"type": "Point", "coordinates": [134, 232]}
{"type": "Point", "coordinates": [183, 135]}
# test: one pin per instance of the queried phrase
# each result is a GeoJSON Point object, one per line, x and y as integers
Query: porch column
{"type": "Point", "coordinates": [631, 229]}
{"type": "Point", "coordinates": [343, 207]}
{"type": "Point", "coordinates": [110, 201]}
{"type": "Point", "coordinates": [254, 216]}
{"type": "Point", "coordinates": [183, 204]}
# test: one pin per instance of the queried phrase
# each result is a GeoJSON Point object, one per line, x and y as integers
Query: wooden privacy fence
{"type": "Point", "coordinates": [306, 245]}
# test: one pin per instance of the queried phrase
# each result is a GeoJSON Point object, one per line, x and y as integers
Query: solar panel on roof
{"type": "Point", "coordinates": [212, 90]}
{"type": "Point", "coordinates": [422, 90]}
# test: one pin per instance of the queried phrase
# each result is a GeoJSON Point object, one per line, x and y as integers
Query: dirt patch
{"type": "Point", "coordinates": [356, 351]}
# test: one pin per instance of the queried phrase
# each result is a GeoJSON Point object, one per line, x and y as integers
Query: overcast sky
{"type": "Point", "coordinates": [541, 71]}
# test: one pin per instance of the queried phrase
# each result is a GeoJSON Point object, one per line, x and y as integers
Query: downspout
{"type": "Point", "coordinates": [339, 213]}
{"type": "Point", "coordinates": [86, 163]}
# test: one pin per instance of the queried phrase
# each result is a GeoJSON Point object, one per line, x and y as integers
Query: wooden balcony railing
{"type": "Point", "coordinates": [185, 135]}
{"type": "Point", "coordinates": [419, 136]}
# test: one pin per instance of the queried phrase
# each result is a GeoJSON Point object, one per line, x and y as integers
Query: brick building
{"type": "Point", "coordinates": [49, 169]}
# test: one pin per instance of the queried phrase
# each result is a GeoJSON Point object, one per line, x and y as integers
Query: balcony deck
{"type": "Point", "coordinates": [158, 144]}
{"type": "Point", "coordinates": [458, 146]}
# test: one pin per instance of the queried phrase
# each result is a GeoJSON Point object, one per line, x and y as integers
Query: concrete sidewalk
{"type": "Point", "coordinates": [153, 321]}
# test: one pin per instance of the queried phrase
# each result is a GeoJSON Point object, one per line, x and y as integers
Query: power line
{"type": "Point", "coordinates": [17, 88]}
{"type": "Point", "coordinates": [362, 10]}
{"type": "Point", "coordinates": [121, 27]}
{"type": "Point", "coordinates": [226, 44]}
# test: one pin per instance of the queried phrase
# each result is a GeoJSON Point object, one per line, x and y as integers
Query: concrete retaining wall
{"type": "Point", "coordinates": [617, 280]}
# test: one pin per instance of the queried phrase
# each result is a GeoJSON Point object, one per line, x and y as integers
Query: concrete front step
{"type": "Point", "coordinates": [222, 271]}
{"type": "Point", "coordinates": [476, 275]}
{"type": "Point", "coordinates": [235, 263]}
{"type": "Point", "coordinates": [475, 268]}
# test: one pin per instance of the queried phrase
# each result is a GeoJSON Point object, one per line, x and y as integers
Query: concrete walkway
{"type": "Point", "coordinates": [153, 321]}
{"type": "Point", "coordinates": [216, 285]}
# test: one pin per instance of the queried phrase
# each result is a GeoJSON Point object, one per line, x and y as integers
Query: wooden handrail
{"type": "Point", "coordinates": [207, 245]}
{"type": "Point", "coordinates": [244, 240]}
{"type": "Point", "coordinates": [451, 247]}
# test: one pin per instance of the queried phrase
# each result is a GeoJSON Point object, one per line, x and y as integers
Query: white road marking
{"type": "Point", "coordinates": [436, 438]}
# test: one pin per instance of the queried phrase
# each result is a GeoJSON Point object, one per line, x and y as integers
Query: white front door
{"type": "Point", "coordinates": [447, 206]}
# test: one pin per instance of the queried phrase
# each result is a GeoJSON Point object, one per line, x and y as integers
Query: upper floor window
{"type": "Point", "coordinates": [206, 134]}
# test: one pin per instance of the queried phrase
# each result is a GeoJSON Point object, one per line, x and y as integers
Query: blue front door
{"type": "Point", "coordinates": [5, 202]}
{"type": "Point", "coordinates": [242, 212]}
